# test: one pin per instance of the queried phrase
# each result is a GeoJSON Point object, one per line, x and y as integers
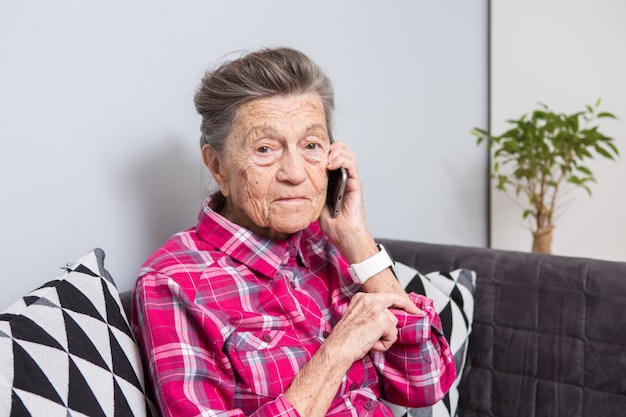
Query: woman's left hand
{"type": "Point", "coordinates": [348, 230]}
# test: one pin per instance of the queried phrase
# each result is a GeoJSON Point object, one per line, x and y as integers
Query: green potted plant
{"type": "Point", "coordinates": [542, 156]}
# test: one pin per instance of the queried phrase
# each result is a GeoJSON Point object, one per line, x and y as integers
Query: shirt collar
{"type": "Point", "coordinates": [259, 253]}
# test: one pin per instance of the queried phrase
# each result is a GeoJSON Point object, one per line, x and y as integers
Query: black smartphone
{"type": "Point", "coordinates": [336, 187]}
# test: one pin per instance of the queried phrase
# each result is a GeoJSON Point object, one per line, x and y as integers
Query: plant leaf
{"type": "Point", "coordinates": [605, 114]}
{"type": "Point", "coordinates": [603, 152]}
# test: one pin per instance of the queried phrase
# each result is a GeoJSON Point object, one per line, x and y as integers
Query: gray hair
{"type": "Point", "coordinates": [261, 74]}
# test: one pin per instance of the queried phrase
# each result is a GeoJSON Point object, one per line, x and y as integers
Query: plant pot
{"type": "Point", "coordinates": [542, 239]}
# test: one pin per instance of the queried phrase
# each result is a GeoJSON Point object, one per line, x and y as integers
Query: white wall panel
{"type": "Point", "coordinates": [566, 54]}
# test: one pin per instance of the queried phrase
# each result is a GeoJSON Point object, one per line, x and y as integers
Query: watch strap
{"type": "Point", "coordinates": [363, 271]}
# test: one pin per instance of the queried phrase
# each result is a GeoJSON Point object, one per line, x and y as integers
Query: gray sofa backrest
{"type": "Point", "coordinates": [549, 334]}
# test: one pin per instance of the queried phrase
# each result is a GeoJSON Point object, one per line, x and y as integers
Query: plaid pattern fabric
{"type": "Point", "coordinates": [227, 318]}
{"type": "Point", "coordinates": [453, 297]}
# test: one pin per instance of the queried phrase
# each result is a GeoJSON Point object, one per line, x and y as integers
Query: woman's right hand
{"type": "Point", "coordinates": [368, 324]}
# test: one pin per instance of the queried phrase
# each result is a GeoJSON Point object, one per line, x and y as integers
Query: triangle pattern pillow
{"type": "Point", "coordinates": [453, 296]}
{"type": "Point", "coordinates": [66, 349]}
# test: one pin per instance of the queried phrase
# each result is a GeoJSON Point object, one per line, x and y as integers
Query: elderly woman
{"type": "Point", "coordinates": [271, 306]}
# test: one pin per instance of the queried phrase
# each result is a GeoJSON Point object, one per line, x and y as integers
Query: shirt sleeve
{"type": "Point", "coordinates": [419, 368]}
{"type": "Point", "coordinates": [182, 346]}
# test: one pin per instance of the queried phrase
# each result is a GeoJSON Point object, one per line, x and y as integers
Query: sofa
{"type": "Point", "coordinates": [533, 335]}
{"type": "Point", "coordinates": [549, 332]}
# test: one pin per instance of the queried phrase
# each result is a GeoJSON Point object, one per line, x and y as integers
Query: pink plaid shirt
{"type": "Point", "coordinates": [226, 318]}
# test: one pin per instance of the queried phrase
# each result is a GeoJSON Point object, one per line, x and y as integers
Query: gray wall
{"type": "Point", "coordinates": [100, 138]}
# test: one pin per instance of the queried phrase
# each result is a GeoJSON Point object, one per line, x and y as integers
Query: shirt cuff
{"type": "Point", "coordinates": [417, 328]}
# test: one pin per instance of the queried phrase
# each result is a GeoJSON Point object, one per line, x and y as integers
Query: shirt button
{"type": "Point", "coordinates": [326, 333]}
{"type": "Point", "coordinates": [267, 337]}
{"type": "Point", "coordinates": [353, 387]}
{"type": "Point", "coordinates": [293, 284]}
{"type": "Point", "coordinates": [368, 405]}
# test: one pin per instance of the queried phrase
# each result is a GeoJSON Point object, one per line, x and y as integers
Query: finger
{"type": "Point", "coordinates": [382, 345]}
{"type": "Point", "coordinates": [341, 156]}
{"type": "Point", "coordinates": [397, 301]}
{"type": "Point", "coordinates": [411, 308]}
{"type": "Point", "coordinates": [389, 336]}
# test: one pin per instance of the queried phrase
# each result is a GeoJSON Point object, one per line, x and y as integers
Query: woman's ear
{"type": "Point", "coordinates": [212, 161]}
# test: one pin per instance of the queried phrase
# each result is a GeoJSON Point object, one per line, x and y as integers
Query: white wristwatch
{"type": "Point", "coordinates": [363, 271]}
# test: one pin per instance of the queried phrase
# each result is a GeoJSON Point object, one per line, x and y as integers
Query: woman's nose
{"type": "Point", "coordinates": [292, 168]}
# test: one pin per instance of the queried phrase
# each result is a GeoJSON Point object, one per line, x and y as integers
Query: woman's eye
{"type": "Point", "coordinates": [263, 149]}
{"type": "Point", "coordinates": [312, 146]}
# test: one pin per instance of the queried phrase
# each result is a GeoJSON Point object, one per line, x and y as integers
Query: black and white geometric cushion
{"type": "Point", "coordinates": [66, 349]}
{"type": "Point", "coordinates": [453, 297]}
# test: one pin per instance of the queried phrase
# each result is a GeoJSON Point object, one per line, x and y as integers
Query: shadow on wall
{"type": "Point", "coordinates": [168, 184]}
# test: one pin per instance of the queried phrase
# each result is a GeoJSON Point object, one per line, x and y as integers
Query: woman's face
{"type": "Point", "coordinates": [273, 169]}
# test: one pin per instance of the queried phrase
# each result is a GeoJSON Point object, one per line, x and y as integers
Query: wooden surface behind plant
{"type": "Point", "coordinates": [544, 154]}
